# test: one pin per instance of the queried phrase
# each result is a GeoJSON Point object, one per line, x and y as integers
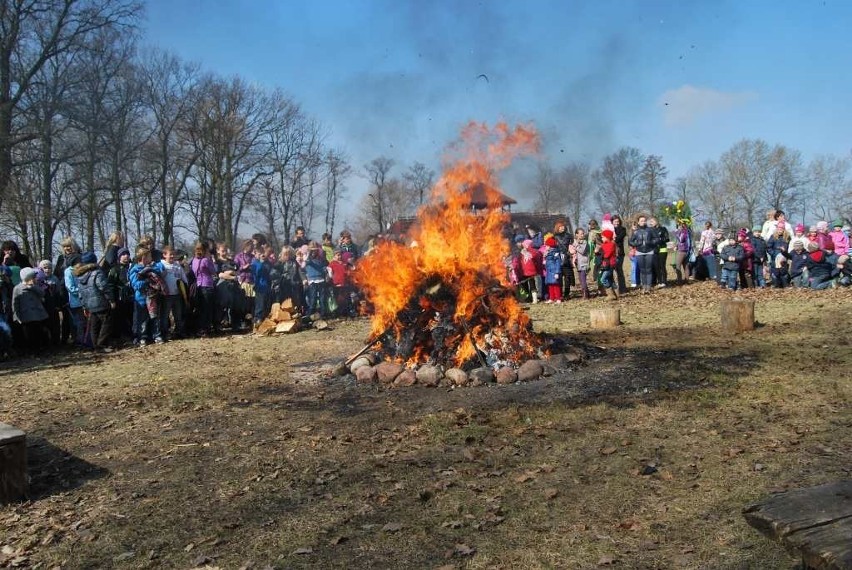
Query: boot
{"type": "Point", "coordinates": [615, 294]}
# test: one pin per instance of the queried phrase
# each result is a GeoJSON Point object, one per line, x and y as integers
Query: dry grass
{"type": "Point", "coordinates": [237, 451]}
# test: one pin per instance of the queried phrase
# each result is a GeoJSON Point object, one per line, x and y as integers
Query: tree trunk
{"type": "Point", "coordinates": [605, 318]}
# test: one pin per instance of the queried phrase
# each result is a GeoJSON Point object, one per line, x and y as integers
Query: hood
{"type": "Point", "coordinates": [818, 255]}
{"type": "Point", "coordinates": [82, 269]}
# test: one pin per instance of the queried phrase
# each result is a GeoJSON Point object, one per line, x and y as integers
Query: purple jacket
{"type": "Point", "coordinates": [684, 239]}
{"type": "Point", "coordinates": [244, 275]}
{"type": "Point", "coordinates": [204, 270]}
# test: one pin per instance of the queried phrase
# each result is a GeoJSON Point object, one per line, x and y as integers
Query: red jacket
{"type": "Point", "coordinates": [530, 262]}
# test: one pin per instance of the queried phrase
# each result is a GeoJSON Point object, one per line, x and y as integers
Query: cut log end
{"type": "Point", "coordinates": [737, 315]}
{"type": "Point", "coordinates": [605, 318]}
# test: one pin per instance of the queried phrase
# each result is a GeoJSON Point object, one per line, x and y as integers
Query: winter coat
{"type": "Point", "coordinates": [94, 289]}
{"type": "Point", "coordinates": [608, 255]}
{"type": "Point", "coordinates": [122, 290]}
{"type": "Point", "coordinates": [683, 238]}
{"type": "Point", "coordinates": [748, 252]}
{"type": "Point", "coordinates": [661, 235]}
{"type": "Point", "coordinates": [260, 276]}
{"type": "Point", "coordinates": [563, 242]}
{"type": "Point", "coordinates": [644, 240]}
{"type": "Point", "coordinates": [760, 249]}
{"type": "Point", "coordinates": [841, 242]}
{"type": "Point", "coordinates": [798, 261]}
{"type": "Point", "coordinates": [531, 262]}
{"type": "Point", "coordinates": [204, 270]}
{"type": "Point", "coordinates": [315, 268]}
{"type": "Point", "coordinates": [552, 266]}
{"type": "Point", "coordinates": [581, 251]}
{"type": "Point", "coordinates": [777, 245]}
{"type": "Point", "coordinates": [244, 260]}
{"type": "Point", "coordinates": [28, 303]}
{"type": "Point", "coordinates": [72, 287]}
{"type": "Point", "coordinates": [620, 236]}
{"type": "Point", "coordinates": [819, 267]}
{"type": "Point", "coordinates": [734, 250]}
{"type": "Point", "coordinates": [139, 280]}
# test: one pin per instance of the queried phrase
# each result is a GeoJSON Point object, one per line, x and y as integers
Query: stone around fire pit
{"type": "Point", "coordinates": [481, 375]}
{"type": "Point", "coordinates": [365, 375]}
{"type": "Point", "coordinates": [359, 362]}
{"type": "Point", "coordinates": [530, 370]}
{"type": "Point", "coordinates": [506, 375]}
{"type": "Point", "coordinates": [429, 375]}
{"type": "Point", "coordinates": [388, 371]}
{"type": "Point", "coordinates": [406, 378]}
{"type": "Point", "coordinates": [457, 376]}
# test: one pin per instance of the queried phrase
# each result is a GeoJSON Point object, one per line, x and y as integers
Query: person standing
{"type": "Point", "coordinates": [645, 243]}
{"type": "Point", "coordinates": [620, 233]}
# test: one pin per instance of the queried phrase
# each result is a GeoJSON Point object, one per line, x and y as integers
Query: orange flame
{"type": "Point", "coordinates": [456, 245]}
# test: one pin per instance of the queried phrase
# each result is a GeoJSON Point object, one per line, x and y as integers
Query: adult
{"type": "Point", "coordinates": [147, 242]}
{"type": "Point", "coordinates": [661, 253]}
{"type": "Point", "coordinates": [707, 249]}
{"type": "Point", "coordinates": [114, 244]}
{"type": "Point", "coordinates": [300, 238]}
{"type": "Point", "coordinates": [643, 240]}
{"type": "Point", "coordinates": [683, 249]}
{"type": "Point", "coordinates": [12, 255]}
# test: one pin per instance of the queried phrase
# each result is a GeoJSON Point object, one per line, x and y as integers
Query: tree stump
{"type": "Point", "coordinates": [13, 464]}
{"type": "Point", "coordinates": [605, 318]}
{"type": "Point", "coordinates": [737, 315]}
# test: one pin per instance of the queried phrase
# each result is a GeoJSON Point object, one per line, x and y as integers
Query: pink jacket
{"type": "Point", "coordinates": [841, 241]}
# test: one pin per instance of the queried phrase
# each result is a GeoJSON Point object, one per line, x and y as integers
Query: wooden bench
{"type": "Point", "coordinates": [13, 464]}
{"type": "Point", "coordinates": [814, 523]}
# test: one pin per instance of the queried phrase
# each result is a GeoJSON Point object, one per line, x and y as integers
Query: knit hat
{"type": "Point", "coordinates": [607, 217]}
{"type": "Point", "coordinates": [780, 226]}
{"type": "Point", "coordinates": [89, 257]}
{"type": "Point", "coordinates": [822, 225]}
{"type": "Point", "coordinates": [121, 252]}
{"type": "Point", "coordinates": [813, 246]}
{"type": "Point", "coordinates": [550, 242]}
{"type": "Point", "coordinates": [838, 223]}
{"type": "Point", "coordinates": [812, 230]}
{"type": "Point", "coordinates": [756, 229]}
{"type": "Point", "coordinates": [527, 243]}
{"type": "Point", "coordinates": [800, 228]}
{"type": "Point", "coordinates": [743, 233]}
{"type": "Point", "coordinates": [797, 243]}
{"type": "Point", "coordinates": [607, 234]}
{"type": "Point", "coordinates": [27, 274]}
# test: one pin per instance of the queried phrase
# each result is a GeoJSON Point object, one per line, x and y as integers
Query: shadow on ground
{"type": "Point", "coordinates": [53, 470]}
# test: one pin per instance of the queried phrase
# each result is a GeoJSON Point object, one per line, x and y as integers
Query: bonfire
{"type": "Point", "coordinates": [444, 297]}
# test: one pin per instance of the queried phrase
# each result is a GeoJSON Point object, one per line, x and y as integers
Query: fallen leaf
{"type": "Point", "coordinates": [551, 493]}
{"type": "Point", "coordinates": [464, 550]}
{"type": "Point", "coordinates": [452, 524]}
{"type": "Point", "coordinates": [392, 527]}
{"type": "Point", "coordinates": [524, 477]}
{"type": "Point", "coordinates": [304, 550]}
{"type": "Point", "coordinates": [606, 560]}
{"type": "Point", "coordinates": [608, 450]}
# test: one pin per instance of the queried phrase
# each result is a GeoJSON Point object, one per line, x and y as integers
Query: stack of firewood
{"type": "Point", "coordinates": [283, 318]}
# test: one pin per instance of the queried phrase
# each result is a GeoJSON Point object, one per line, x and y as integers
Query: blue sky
{"type": "Point", "coordinates": [396, 78]}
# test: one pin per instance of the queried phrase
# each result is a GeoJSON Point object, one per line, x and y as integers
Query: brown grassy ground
{"type": "Point", "coordinates": [238, 451]}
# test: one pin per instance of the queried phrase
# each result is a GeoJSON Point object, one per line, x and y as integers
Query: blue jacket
{"type": "Point", "coordinates": [137, 275]}
{"type": "Point", "coordinates": [552, 266]}
{"type": "Point", "coordinates": [95, 293]}
{"type": "Point", "coordinates": [315, 268]}
{"type": "Point", "coordinates": [260, 272]}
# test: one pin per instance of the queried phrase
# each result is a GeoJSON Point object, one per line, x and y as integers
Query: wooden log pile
{"type": "Point", "coordinates": [283, 318]}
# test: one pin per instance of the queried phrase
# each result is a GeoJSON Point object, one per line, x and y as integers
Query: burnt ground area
{"type": "Point", "coordinates": [244, 452]}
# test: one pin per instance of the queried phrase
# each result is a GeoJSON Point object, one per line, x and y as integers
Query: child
{"type": "Point", "coordinates": [732, 256]}
{"type": "Point", "coordinates": [339, 272]}
{"type": "Point", "coordinates": [173, 303]}
{"type": "Point", "coordinates": [147, 288]}
{"type": "Point", "coordinates": [581, 253]}
{"type": "Point", "coordinates": [205, 272]}
{"type": "Point", "coordinates": [286, 277]}
{"type": "Point", "coordinates": [531, 267]}
{"type": "Point", "coordinates": [122, 291]}
{"type": "Point", "coordinates": [553, 270]}
{"type": "Point", "coordinates": [798, 260]}
{"type": "Point", "coordinates": [245, 276]}
{"type": "Point", "coordinates": [260, 269]}
{"type": "Point", "coordinates": [98, 298]}
{"type": "Point", "coordinates": [777, 248]}
{"type": "Point", "coordinates": [315, 275]}
{"type": "Point", "coordinates": [75, 307]}
{"type": "Point", "coordinates": [609, 253]}
{"type": "Point", "coordinates": [820, 268]}
{"type": "Point", "coordinates": [840, 239]}
{"type": "Point", "coordinates": [758, 257]}
{"type": "Point", "coordinates": [28, 310]}
{"type": "Point", "coordinates": [53, 300]}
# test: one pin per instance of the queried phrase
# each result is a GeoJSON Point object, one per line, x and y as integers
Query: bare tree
{"type": "Point", "coordinates": [32, 33]}
{"type": "Point", "coordinates": [619, 181]}
{"type": "Point", "coordinates": [829, 188]}
{"type": "Point", "coordinates": [549, 196]}
{"type": "Point", "coordinates": [576, 180]}
{"type": "Point", "coordinates": [706, 182]}
{"type": "Point", "coordinates": [170, 92]}
{"type": "Point", "coordinates": [784, 177]}
{"type": "Point", "coordinates": [379, 197]}
{"type": "Point", "coordinates": [653, 178]}
{"type": "Point", "coordinates": [419, 179]}
{"type": "Point", "coordinates": [337, 170]}
{"type": "Point", "coordinates": [744, 168]}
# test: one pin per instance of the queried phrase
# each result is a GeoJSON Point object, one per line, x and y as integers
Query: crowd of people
{"type": "Point", "coordinates": [149, 295]}
{"type": "Point", "coordinates": [545, 266]}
